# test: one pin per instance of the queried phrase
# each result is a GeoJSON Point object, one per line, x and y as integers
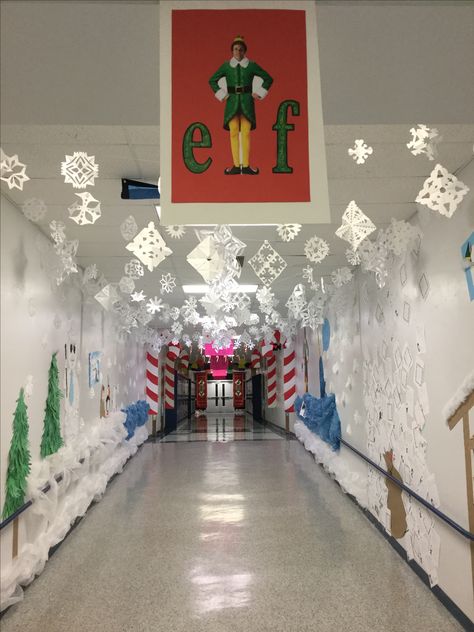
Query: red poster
{"type": "Point", "coordinates": [239, 389]}
{"type": "Point", "coordinates": [201, 390]}
{"type": "Point", "coordinates": [239, 106]}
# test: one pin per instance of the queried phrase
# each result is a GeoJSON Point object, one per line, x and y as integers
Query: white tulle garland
{"type": "Point", "coordinates": [333, 463]}
{"type": "Point", "coordinates": [104, 450]}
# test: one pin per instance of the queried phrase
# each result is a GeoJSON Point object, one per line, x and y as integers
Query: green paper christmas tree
{"type": "Point", "coordinates": [18, 460]}
{"type": "Point", "coordinates": [51, 440]}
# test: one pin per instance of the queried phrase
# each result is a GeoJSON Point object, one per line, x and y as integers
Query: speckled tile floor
{"type": "Point", "coordinates": [224, 537]}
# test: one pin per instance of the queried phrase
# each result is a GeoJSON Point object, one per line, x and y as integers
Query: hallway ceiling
{"type": "Point", "coordinates": [83, 76]}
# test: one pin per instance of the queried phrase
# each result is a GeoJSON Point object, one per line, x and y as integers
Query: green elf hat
{"type": "Point", "coordinates": [238, 39]}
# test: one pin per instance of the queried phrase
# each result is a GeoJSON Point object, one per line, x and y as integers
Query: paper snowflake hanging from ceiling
{"type": "Point", "coordinates": [360, 152]}
{"type": "Point", "coordinates": [126, 285]}
{"type": "Point", "coordinates": [288, 232]}
{"type": "Point", "coordinates": [297, 301]}
{"type": "Point", "coordinates": [80, 170]}
{"type": "Point", "coordinates": [57, 230]}
{"type": "Point", "coordinates": [442, 191]}
{"type": "Point", "coordinates": [400, 235]}
{"type": "Point", "coordinates": [176, 231]}
{"type": "Point", "coordinates": [138, 297]}
{"type": "Point", "coordinates": [149, 247]}
{"type": "Point", "coordinates": [128, 228]}
{"type": "Point", "coordinates": [34, 209]}
{"type": "Point", "coordinates": [154, 305]}
{"type": "Point", "coordinates": [174, 313]}
{"type": "Point", "coordinates": [12, 171]}
{"type": "Point", "coordinates": [208, 258]}
{"type": "Point", "coordinates": [134, 269]}
{"type": "Point", "coordinates": [316, 249]}
{"type": "Point", "coordinates": [352, 257]}
{"type": "Point", "coordinates": [424, 141]}
{"type": "Point", "coordinates": [108, 296]}
{"type": "Point", "coordinates": [267, 263]}
{"type": "Point", "coordinates": [168, 283]}
{"type": "Point", "coordinates": [308, 274]}
{"type": "Point", "coordinates": [90, 273]}
{"type": "Point", "coordinates": [355, 225]}
{"type": "Point", "coordinates": [177, 329]}
{"type": "Point", "coordinates": [85, 212]}
{"type": "Point", "coordinates": [229, 302]}
{"type": "Point", "coordinates": [341, 276]}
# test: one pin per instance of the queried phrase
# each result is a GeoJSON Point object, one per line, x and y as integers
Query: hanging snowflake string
{"type": "Point", "coordinates": [355, 226]}
{"type": "Point", "coordinates": [85, 212]}
{"type": "Point", "coordinates": [424, 141]}
{"type": "Point", "coordinates": [168, 283]}
{"type": "Point", "coordinates": [154, 305]}
{"type": "Point", "coordinates": [149, 247]}
{"type": "Point", "coordinates": [352, 257]}
{"type": "Point", "coordinates": [126, 285]}
{"type": "Point", "coordinates": [80, 170]}
{"type": "Point", "coordinates": [360, 152]}
{"type": "Point", "coordinates": [341, 276]}
{"type": "Point", "coordinates": [176, 231]}
{"type": "Point", "coordinates": [316, 249]}
{"type": "Point", "coordinates": [442, 192]}
{"type": "Point", "coordinates": [128, 228]}
{"type": "Point", "coordinates": [34, 209]}
{"type": "Point", "coordinates": [12, 171]}
{"type": "Point", "coordinates": [134, 269]}
{"type": "Point", "coordinates": [287, 232]}
{"type": "Point", "coordinates": [138, 297]}
{"type": "Point", "coordinates": [267, 263]}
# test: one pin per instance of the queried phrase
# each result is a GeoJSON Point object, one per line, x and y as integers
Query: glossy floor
{"type": "Point", "coordinates": [226, 537]}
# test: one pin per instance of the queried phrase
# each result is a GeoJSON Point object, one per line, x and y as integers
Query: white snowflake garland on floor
{"type": "Point", "coordinates": [316, 249]}
{"type": "Point", "coordinates": [360, 152]}
{"type": "Point", "coordinates": [80, 170]}
{"type": "Point", "coordinates": [85, 212]}
{"type": "Point", "coordinates": [12, 171]}
{"type": "Point", "coordinates": [424, 141]}
{"type": "Point", "coordinates": [168, 283]}
{"type": "Point", "coordinates": [442, 192]}
{"type": "Point", "coordinates": [34, 209]}
{"type": "Point", "coordinates": [267, 263]}
{"type": "Point", "coordinates": [287, 232]}
{"type": "Point", "coordinates": [149, 247]}
{"type": "Point", "coordinates": [355, 226]}
{"type": "Point", "coordinates": [176, 231]}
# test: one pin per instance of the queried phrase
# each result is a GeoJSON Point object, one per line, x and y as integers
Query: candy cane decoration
{"type": "Point", "coordinates": [152, 383]}
{"type": "Point", "coordinates": [255, 359]}
{"type": "Point", "coordinates": [269, 354]}
{"type": "Point", "coordinates": [289, 378]}
{"type": "Point", "coordinates": [172, 354]}
{"type": "Point", "coordinates": [184, 359]}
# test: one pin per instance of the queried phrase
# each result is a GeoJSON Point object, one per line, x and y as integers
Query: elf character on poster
{"type": "Point", "coordinates": [239, 94]}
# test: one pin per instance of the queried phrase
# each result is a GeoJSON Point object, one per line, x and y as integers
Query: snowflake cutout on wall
{"type": "Point", "coordinates": [134, 269]}
{"type": "Point", "coordinates": [288, 232]}
{"type": "Point", "coordinates": [128, 228]}
{"type": "Point", "coordinates": [154, 305]}
{"type": "Point", "coordinates": [341, 276]}
{"type": "Point", "coordinates": [355, 225]}
{"type": "Point", "coordinates": [360, 152]}
{"type": "Point", "coordinates": [12, 171]}
{"type": "Point", "coordinates": [168, 283]}
{"type": "Point", "coordinates": [352, 257]}
{"type": "Point", "coordinates": [149, 247]}
{"type": "Point", "coordinates": [138, 297]}
{"type": "Point", "coordinates": [34, 209]}
{"type": "Point", "coordinates": [424, 141]}
{"type": "Point", "coordinates": [175, 231]}
{"type": "Point", "coordinates": [85, 212]}
{"type": "Point", "coordinates": [442, 191]}
{"type": "Point", "coordinates": [316, 249]}
{"type": "Point", "coordinates": [80, 170]}
{"type": "Point", "coordinates": [126, 285]}
{"type": "Point", "coordinates": [267, 263]}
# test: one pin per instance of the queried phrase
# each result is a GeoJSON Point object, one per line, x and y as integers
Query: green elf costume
{"type": "Point", "coordinates": [239, 94]}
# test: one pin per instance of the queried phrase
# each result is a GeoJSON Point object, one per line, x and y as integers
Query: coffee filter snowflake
{"type": "Point", "coordinates": [149, 247]}
{"type": "Point", "coordinates": [267, 263]}
{"type": "Point", "coordinates": [442, 192]}
{"type": "Point", "coordinates": [126, 285]}
{"type": "Point", "coordinates": [85, 212]}
{"type": "Point", "coordinates": [287, 232]}
{"type": "Point", "coordinates": [424, 141]}
{"type": "Point", "coordinates": [175, 231]}
{"type": "Point", "coordinates": [128, 228]}
{"type": "Point", "coordinates": [355, 225]}
{"type": "Point", "coordinates": [360, 152]}
{"type": "Point", "coordinates": [12, 171]}
{"type": "Point", "coordinates": [316, 249]}
{"type": "Point", "coordinates": [80, 170]}
{"type": "Point", "coordinates": [168, 283]}
{"type": "Point", "coordinates": [134, 269]}
{"type": "Point", "coordinates": [34, 209]}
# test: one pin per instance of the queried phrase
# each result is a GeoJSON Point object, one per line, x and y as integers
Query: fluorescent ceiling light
{"type": "Point", "coordinates": [203, 289]}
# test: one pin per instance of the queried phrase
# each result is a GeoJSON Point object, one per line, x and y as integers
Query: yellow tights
{"type": "Point", "coordinates": [240, 124]}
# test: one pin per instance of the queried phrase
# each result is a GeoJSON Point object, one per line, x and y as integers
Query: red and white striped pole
{"type": "Point", "coordinates": [269, 354]}
{"type": "Point", "coordinates": [289, 377]}
{"type": "Point", "coordinates": [184, 359]}
{"type": "Point", "coordinates": [171, 355]}
{"type": "Point", "coordinates": [255, 359]}
{"type": "Point", "coordinates": [152, 383]}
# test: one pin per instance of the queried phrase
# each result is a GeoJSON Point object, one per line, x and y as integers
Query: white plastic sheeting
{"type": "Point", "coordinates": [104, 450]}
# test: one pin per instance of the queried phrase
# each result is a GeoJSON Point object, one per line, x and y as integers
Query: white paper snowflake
{"type": "Point", "coordinates": [80, 170]}
{"type": "Point", "coordinates": [297, 301]}
{"type": "Point", "coordinates": [442, 191]}
{"type": "Point", "coordinates": [154, 305]}
{"type": "Point", "coordinates": [128, 228]}
{"type": "Point", "coordinates": [399, 236]}
{"type": "Point", "coordinates": [341, 276]}
{"type": "Point", "coordinates": [126, 285]}
{"type": "Point", "coordinates": [316, 249]}
{"type": "Point", "coordinates": [138, 297]}
{"type": "Point", "coordinates": [360, 152]}
{"type": "Point", "coordinates": [58, 231]}
{"type": "Point", "coordinates": [308, 274]}
{"type": "Point", "coordinates": [177, 329]}
{"type": "Point", "coordinates": [85, 212]}
{"type": "Point", "coordinates": [424, 141]}
{"type": "Point", "coordinates": [34, 209]}
{"type": "Point", "coordinates": [174, 313]}
{"type": "Point", "coordinates": [288, 232]}
{"type": "Point", "coordinates": [175, 231]}
{"type": "Point", "coordinates": [90, 273]}
{"type": "Point", "coordinates": [108, 296]}
{"type": "Point", "coordinates": [229, 302]}
{"type": "Point", "coordinates": [12, 171]}
{"type": "Point", "coordinates": [267, 263]}
{"type": "Point", "coordinates": [355, 225]}
{"type": "Point", "coordinates": [168, 283]}
{"type": "Point", "coordinates": [134, 269]}
{"type": "Point", "coordinates": [352, 257]}
{"type": "Point", "coordinates": [149, 247]}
